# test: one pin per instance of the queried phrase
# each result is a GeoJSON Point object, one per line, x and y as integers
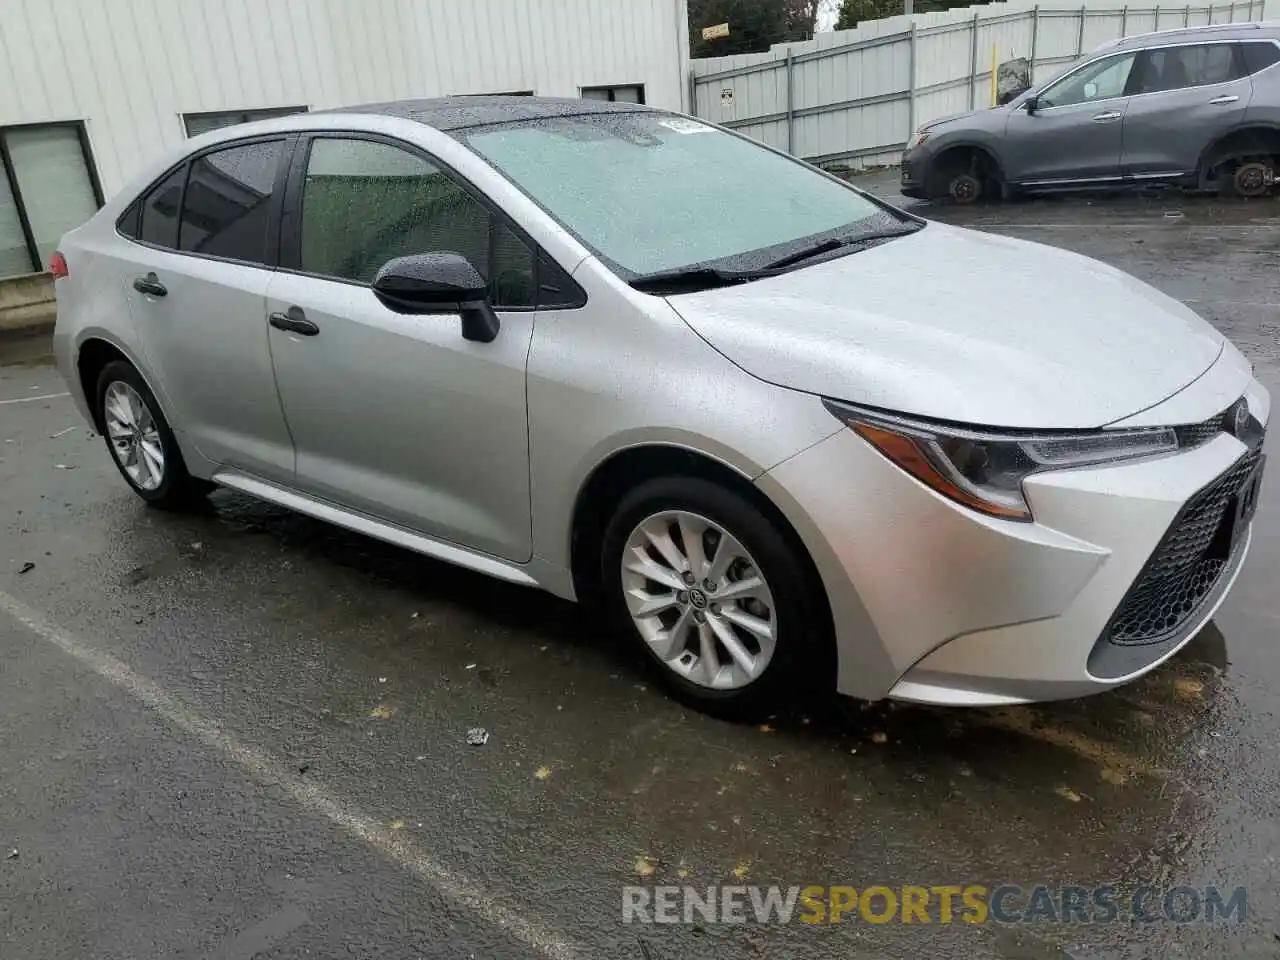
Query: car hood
{"type": "Point", "coordinates": [963, 326]}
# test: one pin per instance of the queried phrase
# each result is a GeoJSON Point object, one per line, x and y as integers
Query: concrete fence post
{"type": "Point", "coordinates": [973, 63]}
{"type": "Point", "coordinates": [1124, 19]}
{"type": "Point", "coordinates": [791, 100]}
{"type": "Point", "coordinates": [1186, 16]}
{"type": "Point", "coordinates": [1084, 12]}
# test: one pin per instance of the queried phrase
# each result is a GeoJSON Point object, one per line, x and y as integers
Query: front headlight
{"type": "Point", "coordinates": [984, 470]}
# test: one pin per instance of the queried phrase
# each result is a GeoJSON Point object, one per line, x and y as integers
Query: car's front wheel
{"type": "Point", "coordinates": [141, 442]}
{"type": "Point", "coordinates": [721, 601]}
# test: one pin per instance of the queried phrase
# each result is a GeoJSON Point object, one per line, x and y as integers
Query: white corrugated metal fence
{"type": "Point", "coordinates": [853, 97]}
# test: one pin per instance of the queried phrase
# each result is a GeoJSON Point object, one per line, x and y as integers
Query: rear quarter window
{"type": "Point", "coordinates": [160, 209]}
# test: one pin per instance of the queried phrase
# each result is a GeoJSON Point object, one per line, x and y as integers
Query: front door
{"type": "Point", "coordinates": [1075, 132]}
{"type": "Point", "coordinates": [197, 290]}
{"type": "Point", "coordinates": [1185, 98]}
{"type": "Point", "coordinates": [396, 416]}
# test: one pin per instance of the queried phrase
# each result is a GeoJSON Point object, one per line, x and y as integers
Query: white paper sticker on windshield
{"type": "Point", "coordinates": [681, 125]}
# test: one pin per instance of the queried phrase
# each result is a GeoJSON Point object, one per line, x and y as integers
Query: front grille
{"type": "Point", "coordinates": [1184, 567]}
{"type": "Point", "coordinates": [1194, 434]}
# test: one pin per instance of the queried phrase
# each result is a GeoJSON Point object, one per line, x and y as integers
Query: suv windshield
{"type": "Point", "coordinates": [650, 192]}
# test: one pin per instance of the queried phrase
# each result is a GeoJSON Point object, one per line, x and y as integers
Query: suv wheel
{"type": "Point", "coordinates": [141, 442]}
{"type": "Point", "coordinates": [1253, 178]}
{"type": "Point", "coordinates": [714, 594]}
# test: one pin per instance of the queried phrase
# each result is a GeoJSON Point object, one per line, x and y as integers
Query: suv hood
{"type": "Point", "coordinates": [964, 326]}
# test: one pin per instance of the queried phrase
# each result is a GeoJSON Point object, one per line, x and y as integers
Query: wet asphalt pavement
{"type": "Point", "coordinates": [242, 733]}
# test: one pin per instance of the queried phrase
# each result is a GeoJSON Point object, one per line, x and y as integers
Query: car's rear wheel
{"type": "Point", "coordinates": [720, 601]}
{"type": "Point", "coordinates": [1253, 178]}
{"type": "Point", "coordinates": [141, 442]}
{"type": "Point", "coordinates": [964, 188]}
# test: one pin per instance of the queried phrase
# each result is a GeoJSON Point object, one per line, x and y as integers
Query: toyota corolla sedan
{"type": "Point", "coordinates": [628, 357]}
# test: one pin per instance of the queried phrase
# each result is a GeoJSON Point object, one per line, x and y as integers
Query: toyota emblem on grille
{"type": "Point", "coordinates": [1238, 418]}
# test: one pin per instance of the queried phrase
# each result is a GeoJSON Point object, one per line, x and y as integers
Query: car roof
{"type": "Point", "coordinates": [1253, 30]}
{"type": "Point", "coordinates": [460, 112]}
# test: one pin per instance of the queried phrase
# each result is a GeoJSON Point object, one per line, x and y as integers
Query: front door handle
{"type": "Point", "coordinates": [1229, 98]}
{"type": "Point", "coordinates": [1110, 115]}
{"type": "Point", "coordinates": [150, 285]}
{"type": "Point", "coordinates": [293, 320]}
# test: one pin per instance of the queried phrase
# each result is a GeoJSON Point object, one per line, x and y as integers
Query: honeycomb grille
{"type": "Point", "coordinates": [1184, 568]}
{"type": "Point", "coordinates": [1194, 434]}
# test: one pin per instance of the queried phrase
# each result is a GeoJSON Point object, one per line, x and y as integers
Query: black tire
{"type": "Point", "coordinates": [177, 488]}
{"type": "Point", "coordinates": [801, 662]}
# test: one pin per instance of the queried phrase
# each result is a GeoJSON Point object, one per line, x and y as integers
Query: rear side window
{"type": "Point", "coordinates": [364, 203]}
{"type": "Point", "coordinates": [1196, 65]}
{"type": "Point", "coordinates": [226, 211]}
{"type": "Point", "coordinates": [1259, 56]}
{"type": "Point", "coordinates": [160, 210]}
{"type": "Point", "coordinates": [131, 220]}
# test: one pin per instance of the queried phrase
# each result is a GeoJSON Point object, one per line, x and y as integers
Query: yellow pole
{"type": "Point", "coordinates": [994, 92]}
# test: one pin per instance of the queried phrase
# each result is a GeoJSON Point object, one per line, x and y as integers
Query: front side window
{"type": "Point", "coordinates": [226, 208]}
{"type": "Point", "coordinates": [652, 192]}
{"type": "Point", "coordinates": [1195, 65]}
{"type": "Point", "coordinates": [46, 189]}
{"type": "Point", "coordinates": [1102, 80]}
{"type": "Point", "coordinates": [1259, 56]}
{"type": "Point", "coordinates": [364, 203]}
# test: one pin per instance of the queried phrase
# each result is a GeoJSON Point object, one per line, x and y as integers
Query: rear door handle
{"type": "Point", "coordinates": [1229, 98]}
{"type": "Point", "coordinates": [150, 285]}
{"type": "Point", "coordinates": [294, 320]}
{"type": "Point", "coordinates": [1104, 117]}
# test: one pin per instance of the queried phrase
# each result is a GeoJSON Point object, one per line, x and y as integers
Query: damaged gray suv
{"type": "Point", "coordinates": [1197, 107]}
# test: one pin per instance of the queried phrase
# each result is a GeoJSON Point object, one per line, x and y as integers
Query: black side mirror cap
{"type": "Point", "coordinates": [1032, 104]}
{"type": "Point", "coordinates": [435, 283]}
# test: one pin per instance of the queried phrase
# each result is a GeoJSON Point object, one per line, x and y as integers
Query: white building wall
{"type": "Point", "coordinates": [131, 68]}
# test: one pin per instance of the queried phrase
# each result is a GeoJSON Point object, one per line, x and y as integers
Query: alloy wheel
{"type": "Point", "coordinates": [699, 600]}
{"type": "Point", "coordinates": [134, 435]}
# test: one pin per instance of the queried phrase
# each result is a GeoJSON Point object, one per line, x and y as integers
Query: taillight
{"type": "Point", "coordinates": [58, 266]}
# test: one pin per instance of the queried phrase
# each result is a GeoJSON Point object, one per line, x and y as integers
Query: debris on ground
{"type": "Point", "coordinates": [64, 466]}
{"type": "Point", "coordinates": [879, 738]}
{"type": "Point", "coordinates": [645, 866]}
{"type": "Point", "coordinates": [542, 773]}
{"type": "Point", "coordinates": [12, 854]}
{"type": "Point", "coordinates": [26, 568]}
{"type": "Point", "coordinates": [477, 736]}
{"type": "Point", "coordinates": [470, 666]}
{"type": "Point", "coordinates": [1068, 794]}
{"type": "Point", "coordinates": [60, 433]}
{"type": "Point", "coordinates": [382, 712]}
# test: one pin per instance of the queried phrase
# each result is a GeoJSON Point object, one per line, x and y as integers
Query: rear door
{"type": "Point", "coordinates": [207, 236]}
{"type": "Point", "coordinates": [1184, 98]}
{"type": "Point", "coordinates": [1075, 133]}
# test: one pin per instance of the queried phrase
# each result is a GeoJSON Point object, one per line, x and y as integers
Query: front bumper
{"type": "Point", "coordinates": [915, 174]}
{"type": "Point", "coordinates": [935, 603]}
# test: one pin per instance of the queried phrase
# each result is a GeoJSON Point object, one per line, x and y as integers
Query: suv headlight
{"type": "Point", "coordinates": [984, 470]}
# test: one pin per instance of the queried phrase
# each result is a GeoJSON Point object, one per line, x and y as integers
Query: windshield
{"type": "Point", "coordinates": [650, 192]}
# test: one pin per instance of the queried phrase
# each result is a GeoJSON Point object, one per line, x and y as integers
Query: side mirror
{"type": "Point", "coordinates": [1032, 104]}
{"type": "Point", "coordinates": [440, 282]}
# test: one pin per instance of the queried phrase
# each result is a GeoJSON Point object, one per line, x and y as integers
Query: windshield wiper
{"type": "Point", "coordinates": [689, 280]}
{"type": "Point", "coordinates": [832, 244]}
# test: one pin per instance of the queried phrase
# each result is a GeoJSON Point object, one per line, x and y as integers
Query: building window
{"type": "Point", "coordinates": [47, 186]}
{"type": "Point", "coordinates": [198, 123]}
{"type": "Point", "coordinates": [633, 93]}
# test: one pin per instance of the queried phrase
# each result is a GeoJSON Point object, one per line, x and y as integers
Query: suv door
{"type": "Point", "coordinates": [398, 416]}
{"type": "Point", "coordinates": [1074, 134]}
{"type": "Point", "coordinates": [197, 292]}
{"type": "Point", "coordinates": [1184, 98]}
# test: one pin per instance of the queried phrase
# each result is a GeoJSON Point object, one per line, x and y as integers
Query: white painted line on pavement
{"type": "Point", "coordinates": [47, 396]}
{"type": "Point", "coordinates": [313, 798]}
